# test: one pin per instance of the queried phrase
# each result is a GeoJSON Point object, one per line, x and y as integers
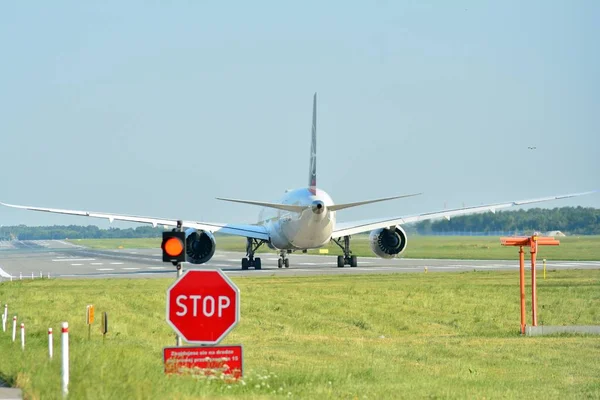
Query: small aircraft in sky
{"type": "Point", "coordinates": [304, 218]}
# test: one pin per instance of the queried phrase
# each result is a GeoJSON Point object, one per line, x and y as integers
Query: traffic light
{"type": "Point", "coordinates": [173, 247]}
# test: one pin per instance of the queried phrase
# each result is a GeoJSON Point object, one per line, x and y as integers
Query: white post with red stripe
{"type": "Point", "coordinates": [22, 336]}
{"type": "Point", "coordinates": [50, 343]}
{"type": "Point", "coordinates": [14, 328]}
{"type": "Point", "coordinates": [65, 358]}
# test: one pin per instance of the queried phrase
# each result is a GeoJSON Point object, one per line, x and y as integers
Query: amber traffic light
{"type": "Point", "coordinates": [173, 247]}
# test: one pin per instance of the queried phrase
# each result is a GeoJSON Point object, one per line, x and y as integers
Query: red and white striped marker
{"type": "Point", "coordinates": [22, 336]}
{"type": "Point", "coordinates": [50, 343]}
{"type": "Point", "coordinates": [14, 328]}
{"type": "Point", "coordinates": [65, 358]}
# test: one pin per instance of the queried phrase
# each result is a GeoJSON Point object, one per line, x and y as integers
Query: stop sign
{"type": "Point", "coordinates": [203, 306]}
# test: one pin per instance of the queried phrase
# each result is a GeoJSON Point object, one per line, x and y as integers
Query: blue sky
{"type": "Point", "coordinates": [156, 108]}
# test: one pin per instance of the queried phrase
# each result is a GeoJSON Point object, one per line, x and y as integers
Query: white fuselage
{"type": "Point", "coordinates": [309, 229]}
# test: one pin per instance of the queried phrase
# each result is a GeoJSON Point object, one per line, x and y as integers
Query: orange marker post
{"type": "Point", "coordinates": [532, 242]}
{"type": "Point", "coordinates": [533, 250]}
{"type": "Point", "coordinates": [522, 286]}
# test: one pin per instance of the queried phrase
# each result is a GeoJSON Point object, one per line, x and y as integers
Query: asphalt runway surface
{"type": "Point", "coordinates": [59, 259]}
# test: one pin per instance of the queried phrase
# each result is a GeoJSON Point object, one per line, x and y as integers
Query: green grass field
{"type": "Point", "coordinates": [450, 247]}
{"type": "Point", "coordinates": [434, 335]}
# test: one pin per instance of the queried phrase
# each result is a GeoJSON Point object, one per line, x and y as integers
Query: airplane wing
{"type": "Point", "coordinates": [252, 231]}
{"type": "Point", "coordinates": [352, 228]}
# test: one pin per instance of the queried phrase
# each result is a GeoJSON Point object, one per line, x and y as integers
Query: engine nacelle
{"type": "Point", "coordinates": [199, 246]}
{"type": "Point", "coordinates": [387, 243]}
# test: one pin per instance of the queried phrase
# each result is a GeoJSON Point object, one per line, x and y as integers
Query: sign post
{"type": "Point", "coordinates": [89, 318]}
{"type": "Point", "coordinates": [104, 327]}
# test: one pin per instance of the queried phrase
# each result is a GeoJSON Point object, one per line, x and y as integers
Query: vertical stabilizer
{"type": "Point", "coordinates": [312, 177]}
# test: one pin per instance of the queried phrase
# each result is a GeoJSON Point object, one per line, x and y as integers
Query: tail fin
{"type": "Point", "coordinates": [312, 177]}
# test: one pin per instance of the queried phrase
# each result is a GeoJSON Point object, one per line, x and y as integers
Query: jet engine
{"type": "Point", "coordinates": [387, 243]}
{"type": "Point", "coordinates": [199, 246]}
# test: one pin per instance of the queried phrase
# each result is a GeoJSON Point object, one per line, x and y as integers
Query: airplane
{"type": "Point", "coordinates": [303, 219]}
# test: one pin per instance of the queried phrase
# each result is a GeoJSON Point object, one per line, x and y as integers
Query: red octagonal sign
{"type": "Point", "coordinates": [203, 306]}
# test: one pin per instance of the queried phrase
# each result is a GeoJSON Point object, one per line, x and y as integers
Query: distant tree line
{"type": "Point", "coordinates": [570, 220]}
{"type": "Point", "coordinates": [23, 232]}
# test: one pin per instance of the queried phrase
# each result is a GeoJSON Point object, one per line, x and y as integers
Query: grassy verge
{"type": "Point", "coordinates": [457, 247]}
{"type": "Point", "coordinates": [369, 336]}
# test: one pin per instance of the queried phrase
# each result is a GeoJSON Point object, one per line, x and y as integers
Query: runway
{"type": "Point", "coordinates": [59, 259]}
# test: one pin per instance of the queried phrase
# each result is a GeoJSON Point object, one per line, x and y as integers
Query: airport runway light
{"type": "Point", "coordinates": [173, 247]}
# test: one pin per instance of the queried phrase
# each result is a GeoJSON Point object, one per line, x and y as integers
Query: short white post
{"type": "Point", "coordinates": [14, 328]}
{"type": "Point", "coordinates": [20, 275]}
{"type": "Point", "coordinates": [22, 336]}
{"type": "Point", "coordinates": [65, 358]}
{"type": "Point", "coordinates": [31, 274]}
{"type": "Point", "coordinates": [4, 317]}
{"type": "Point", "coordinates": [41, 276]}
{"type": "Point", "coordinates": [50, 343]}
{"type": "Point", "coordinates": [48, 275]}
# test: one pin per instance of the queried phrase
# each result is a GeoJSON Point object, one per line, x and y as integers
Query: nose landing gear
{"type": "Point", "coordinates": [283, 260]}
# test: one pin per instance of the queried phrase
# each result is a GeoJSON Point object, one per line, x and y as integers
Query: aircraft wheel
{"type": "Point", "coordinates": [279, 263]}
{"type": "Point", "coordinates": [340, 261]}
{"type": "Point", "coordinates": [257, 263]}
{"type": "Point", "coordinates": [245, 263]}
{"type": "Point", "coordinates": [353, 261]}
{"type": "Point", "coordinates": [287, 262]}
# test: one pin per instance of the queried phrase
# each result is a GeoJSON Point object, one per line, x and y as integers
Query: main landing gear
{"type": "Point", "coordinates": [251, 246]}
{"type": "Point", "coordinates": [346, 259]}
{"type": "Point", "coordinates": [283, 260]}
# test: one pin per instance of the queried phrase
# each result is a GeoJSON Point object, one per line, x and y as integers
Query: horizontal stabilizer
{"type": "Point", "coordinates": [284, 207]}
{"type": "Point", "coordinates": [337, 207]}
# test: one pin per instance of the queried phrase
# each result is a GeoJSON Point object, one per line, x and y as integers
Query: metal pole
{"type": "Point", "coordinates": [533, 283]}
{"type": "Point", "coordinates": [522, 287]}
{"type": "Point", "coordinates": [177, 337]}
{"type": "Point", "coordinates": [179, 273]}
